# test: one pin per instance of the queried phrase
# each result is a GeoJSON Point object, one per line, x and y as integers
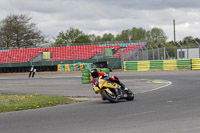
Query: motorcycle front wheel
{"type": "Point", "coordinates": [130, 96]}
{"type": "Point", "coordinates": [110, 97]}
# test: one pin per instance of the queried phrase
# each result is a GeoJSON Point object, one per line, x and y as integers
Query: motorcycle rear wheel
{"type": "Point", "coordinates": [112, 98]}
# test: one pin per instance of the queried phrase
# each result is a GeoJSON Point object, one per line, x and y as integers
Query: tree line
{"type": "Point", "coordinates": [19, 31]}
{"type": "Point", "coordinates": [74, 36]}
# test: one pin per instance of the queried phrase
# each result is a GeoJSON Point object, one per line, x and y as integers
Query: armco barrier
{"type": "Point", "coordinates": [156, 65]}
{"type": "Point", "coordinates": [184, 64]}
{"type": "Point", "coordinates": [143, 65]}
{"type": "Point", "coordinates": [130, 66]}
{"type": "Point", "coordinates": [195, 64]}
{"type": "Point", "coordinates": [190, 64]}
{"type": "Point", "coordinates": [169, 64]}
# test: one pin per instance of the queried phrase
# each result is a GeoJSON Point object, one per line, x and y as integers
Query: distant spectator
{"type": "Point", "coordinates": [113, 50]}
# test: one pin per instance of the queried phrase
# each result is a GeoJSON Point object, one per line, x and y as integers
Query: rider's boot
{"type": "Point", "coordinates": [124, 87]}
{"type": "Point", "coordinates": [127, 91]}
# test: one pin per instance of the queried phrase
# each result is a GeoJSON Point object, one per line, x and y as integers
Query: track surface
{"type": "Point", "coordinates": [172, 109]}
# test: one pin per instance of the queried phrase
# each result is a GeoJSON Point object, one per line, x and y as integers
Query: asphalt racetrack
{"type": "Point", "coordinates": [165, 102]}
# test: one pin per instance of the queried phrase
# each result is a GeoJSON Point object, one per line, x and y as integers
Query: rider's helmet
{"type": "Point", "coordinates": [94, 73]}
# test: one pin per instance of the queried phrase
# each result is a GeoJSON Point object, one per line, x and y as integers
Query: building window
{"type": "Point", "coordinates": [183, 54]}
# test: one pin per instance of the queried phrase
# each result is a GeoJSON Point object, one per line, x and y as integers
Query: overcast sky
{"type": "Point", "coordinates": [108, 16]}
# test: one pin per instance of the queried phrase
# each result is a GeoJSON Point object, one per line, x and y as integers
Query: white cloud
{"type": "Point", "coordinates": [101, 16]}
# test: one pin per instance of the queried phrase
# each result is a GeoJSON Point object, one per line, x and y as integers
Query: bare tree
{"type": "Point", "coordinates": [18, 31]}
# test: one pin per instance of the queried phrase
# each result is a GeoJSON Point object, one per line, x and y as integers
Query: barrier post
{"type": "Point", "coordinates": [122, 60]}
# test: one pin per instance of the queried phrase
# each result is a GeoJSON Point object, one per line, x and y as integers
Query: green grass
{"type": "Point", "coordinates": [10, 103]}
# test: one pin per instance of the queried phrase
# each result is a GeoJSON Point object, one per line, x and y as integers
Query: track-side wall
{"type": "Point", "coordinates": [113, 63]}
{"type": "Point", "coordinates": [190, 64]}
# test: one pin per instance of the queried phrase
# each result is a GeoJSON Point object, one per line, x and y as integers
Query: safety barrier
{"type": "Point", "coordinates": [184, 64]}
{"type": "Point", "coordinates": [143, 65]}
{"type": "Point", "coordinates": [130, 66]}
{"type": "Point", "coordinates": [73, 67]}
{"type": "Point", "coordinates": [190, 64]}
{"type": "Point", "coordinates": [195, 64]}
{"type": "Point", "coordinates": [86, 76]}
{"type": "Point", "coordinates": [169, 64]}
{"type": "Point", "coordinates": [85, 69]}
{"type": "Point", "coordinates": [156, 65]}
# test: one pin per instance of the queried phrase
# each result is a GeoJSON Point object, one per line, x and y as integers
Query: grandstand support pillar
{"type": "Point", "coordinates": [122, 60]}
{"type": "Point", "coordinates": [31, 60]}
{"type": "Point", "coordinates": [73, 56]}
{"type": "Point", "coordinates": [9, 60]}
{"type": "Point", "coordinates": [97, 56]}
{"type": "Point", "coordinates": [51, 59]}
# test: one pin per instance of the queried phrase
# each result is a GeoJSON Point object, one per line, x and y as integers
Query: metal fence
{"type": "Point", "coordinates": [164, 53]}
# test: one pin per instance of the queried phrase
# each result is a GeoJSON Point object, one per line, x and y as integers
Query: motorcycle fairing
{"type": "Point", "coordinates": [102, 84]}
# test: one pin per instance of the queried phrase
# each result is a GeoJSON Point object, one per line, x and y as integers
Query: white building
{"type": "Point", "coordinates": [188, 53]}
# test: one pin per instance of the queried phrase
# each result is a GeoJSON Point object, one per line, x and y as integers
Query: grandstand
{"type": "Point", "coordinates": [67, 52]}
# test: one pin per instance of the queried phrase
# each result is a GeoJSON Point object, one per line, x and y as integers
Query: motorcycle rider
{"type": "Point", "coordinates": [94, 72]}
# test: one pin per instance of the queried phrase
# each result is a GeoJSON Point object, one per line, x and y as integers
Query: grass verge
{"type": "Point", "coordinates": [10, 103]}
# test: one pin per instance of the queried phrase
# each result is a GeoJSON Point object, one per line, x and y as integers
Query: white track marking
{"type": "Point", "coordinates": [169, 83]}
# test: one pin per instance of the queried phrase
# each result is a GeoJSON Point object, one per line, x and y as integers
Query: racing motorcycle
{"type": "Point", "coordinates": [111, 91]}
